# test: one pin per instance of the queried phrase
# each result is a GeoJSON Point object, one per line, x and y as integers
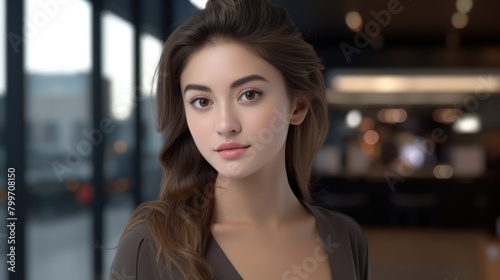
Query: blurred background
{"type": "Point", "coordinates": [413, 151]}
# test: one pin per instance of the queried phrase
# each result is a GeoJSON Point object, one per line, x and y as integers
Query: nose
{"type": "Point", "coordinates": [227, 122]}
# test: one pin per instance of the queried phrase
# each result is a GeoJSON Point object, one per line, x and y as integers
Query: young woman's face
{"type": "Point", "coordinates": [237, 108]}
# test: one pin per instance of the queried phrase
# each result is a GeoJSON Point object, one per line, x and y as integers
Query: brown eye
{"type": "Point", "coordinates": [250, 95]}
{"type": "Point", "coordinates": [200, 103]}
{"type": "Point", "coordinates": [203, 102]}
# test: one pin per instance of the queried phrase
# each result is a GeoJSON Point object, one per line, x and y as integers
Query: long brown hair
{"type": "Point", "coordinates": [180, 220]}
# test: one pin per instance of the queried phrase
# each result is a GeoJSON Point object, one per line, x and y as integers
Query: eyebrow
{"type": "Point", "coordinates": [234, 84]}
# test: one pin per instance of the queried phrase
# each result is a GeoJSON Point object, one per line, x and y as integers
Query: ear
{"type": "Point", "coordinates": [300, 107]}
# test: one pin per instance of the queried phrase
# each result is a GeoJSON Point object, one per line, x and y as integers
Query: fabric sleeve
{"type": "Point", "coordinates": [359, 244]}
{"type": "Point", "coordinates": [135, 258]}
{"type": "Point", "coordinates": [352, 258]}
{"type": "Point", "coordinates": [364, 258]}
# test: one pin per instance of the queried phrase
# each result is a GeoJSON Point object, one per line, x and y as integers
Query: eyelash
{"type": "Point", "coordinates": [259, 94]}
{"type": "Point", "coordinates": [195, 99]}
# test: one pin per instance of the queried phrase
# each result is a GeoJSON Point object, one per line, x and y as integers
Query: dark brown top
{"type": "Point", "coordinates": [343, 241]}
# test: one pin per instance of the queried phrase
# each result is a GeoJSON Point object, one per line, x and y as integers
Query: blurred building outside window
{"type": "Point", "coordinates": [58, 158]}
{"type": "Point", "coordinates": [151, 48]}
{"type": "Point", "coordinates": [119, 146]}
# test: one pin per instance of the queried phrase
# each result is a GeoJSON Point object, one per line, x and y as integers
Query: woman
{"type": "Point", "coordinates": [241, 102]}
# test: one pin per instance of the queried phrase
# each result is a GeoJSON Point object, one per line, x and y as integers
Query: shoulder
{"type": "Point", "coordinates": [336, 221]}
{"type": "Point", "coordinates": [135, 256]}
{"type": "Point", "coordinates": [135, 240]}
{"type": "Point", "coordinates": [136, 235]}
{"type": "Point", "coordinates": [347, 238]}
{"type": "Point", "coordinates": [344, 241]}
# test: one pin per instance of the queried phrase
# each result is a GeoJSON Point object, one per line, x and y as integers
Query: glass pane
{"type": "Point", "coordinates": [58, 150]}
{"type": "Point", "coordinates": [3, 168]}
{"type": "Point", "coordinates": [118, 51]}
{"type": "Point", "coordinates": [151, 48]}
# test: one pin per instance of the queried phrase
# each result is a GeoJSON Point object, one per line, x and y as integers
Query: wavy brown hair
{"type": "Point", "coordinates": [180, 220]}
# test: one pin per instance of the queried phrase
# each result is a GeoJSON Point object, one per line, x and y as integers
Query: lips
{"type": "Point", "coordinates": [231, 150]}
{"type": "Point", "coordinates": [230, 146]}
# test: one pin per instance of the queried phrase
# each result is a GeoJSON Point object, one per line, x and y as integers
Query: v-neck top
{"type": "Point", "coordinates": [343, 241]}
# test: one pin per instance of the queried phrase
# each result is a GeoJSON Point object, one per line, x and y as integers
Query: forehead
{"type": "Point", "coordinates": [226, 62]}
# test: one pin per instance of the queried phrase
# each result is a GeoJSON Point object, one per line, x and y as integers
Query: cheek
{"type": "Point", "coordinates": [275, 117]}
{"type": "Point", "coordinates": [197, 127]}
{"type": "Point", "coordinates": [264, 120]}
{"type": "Point", "coordinates": [270, 126]}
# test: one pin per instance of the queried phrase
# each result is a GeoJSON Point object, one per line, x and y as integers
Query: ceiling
{"type": "Point", "coordinates": [421, 35]}
{"type": "Point", "coordinates": [426, 22]}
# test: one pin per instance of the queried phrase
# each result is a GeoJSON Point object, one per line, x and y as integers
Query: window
{"type": "Point", "coordinates": [58, 160]}
{"type": "Point", "coordinates": [151, 48]}
{"type": "Point", "coordinates": [118, 54]}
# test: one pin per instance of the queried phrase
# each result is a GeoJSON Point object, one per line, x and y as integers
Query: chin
{"type": "Point", "coordinates": [234, 170]}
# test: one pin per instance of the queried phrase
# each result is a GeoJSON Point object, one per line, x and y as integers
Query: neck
{"type": "Point", "coordinates": [263, 199]}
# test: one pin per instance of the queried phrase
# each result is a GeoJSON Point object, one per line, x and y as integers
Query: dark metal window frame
{"type": "Point", "coordinates": [15, 144]}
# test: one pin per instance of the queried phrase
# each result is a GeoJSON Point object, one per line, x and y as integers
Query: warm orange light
{"type": "Point", "coordinates": [446, 115]}
{"type": "Point", "coordinates": [354, 21]}
{"type": "Point", "coordinates": [443, 171]}
{"type": "Point", "coordinates": [464, 6]}
{"type": "Point", "coordinates": [121, 185]}
{"type": "Point", "coordinates": [459, 20]}
{"type": "Point", "coordinates": [120, 147]}
{"type": "Point", "coordinates": [367, 123]}
{"type": "Point", "coordinates": [371, 137]}
{"type": "Point", "coordinates": [72, 185]}
{"type": "Point", "coordinates": [392, 116]}
{"type": "Point", "coordinates": [367, 149]}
